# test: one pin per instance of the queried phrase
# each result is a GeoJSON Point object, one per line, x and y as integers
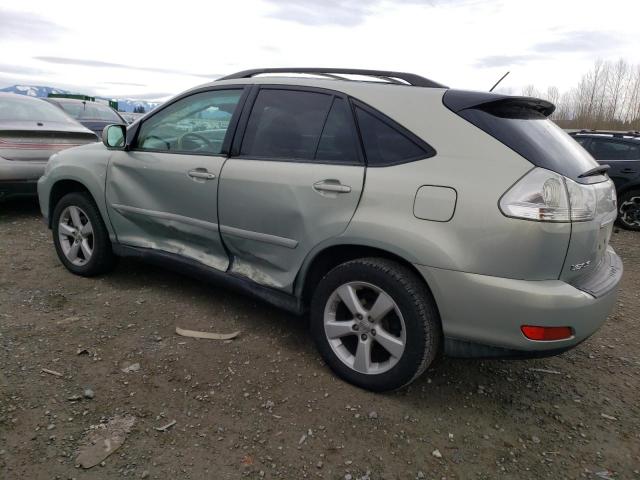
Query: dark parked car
{"type": "Point", "coordinates": [621, 151]}
{"type": "Point", "coordinates": [93, 115]}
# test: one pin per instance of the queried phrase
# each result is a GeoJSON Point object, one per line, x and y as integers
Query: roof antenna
{"type": "Point", "coordinates": [498, 82]}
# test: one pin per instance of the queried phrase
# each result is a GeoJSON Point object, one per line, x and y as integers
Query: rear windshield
{"type": "Point", "coordinates": [90, 111]}
{"type": "Point", "coordinates": [531, 134]}
{"type": "Point", "coordinates": [28, 109]}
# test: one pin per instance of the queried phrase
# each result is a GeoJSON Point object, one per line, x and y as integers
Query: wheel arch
{"type": "Point", "coordinates": [320, 262]}
{"type": "Point", "coordinates": [634, 185]}
{"type": "Point", "coordinates": [61, 188]}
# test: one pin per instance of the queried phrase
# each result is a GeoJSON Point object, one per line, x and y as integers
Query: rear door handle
{"type": "Point", "coordinates": [201, 173]}
{"type": "Point", "coordinates": [331, 186]}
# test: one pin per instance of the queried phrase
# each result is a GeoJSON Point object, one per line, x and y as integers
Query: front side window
{"type": "Point", "coordinates": [195, 124]}
{"type": "Point", "coordinates": [384, 144]}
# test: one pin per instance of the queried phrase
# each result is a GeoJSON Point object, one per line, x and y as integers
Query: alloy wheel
{"type": "Point", "coordinates": [75, 233]}
{"type": "Point", "coordinates": [630, 212]}
{"type": "Point", "coordinates": [364, 327]}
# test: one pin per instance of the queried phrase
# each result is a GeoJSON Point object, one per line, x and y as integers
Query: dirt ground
{"type": "Point", "coordinates": [264, 405]}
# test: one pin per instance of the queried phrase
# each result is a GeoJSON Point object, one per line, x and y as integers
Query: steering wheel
{"type": "Point", "coordinates": [155, 137]}
{"type": "Point", "coordinates": [208, 145]}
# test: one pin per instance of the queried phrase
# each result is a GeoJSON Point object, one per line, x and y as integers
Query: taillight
{"type": "Point", "coordinates": [546, 196]}
{"type": "Point", "coordinates": [546, 333]}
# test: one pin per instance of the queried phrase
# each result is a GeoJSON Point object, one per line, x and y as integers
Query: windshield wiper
{"type": "Point", "coordinates": [599, 170]}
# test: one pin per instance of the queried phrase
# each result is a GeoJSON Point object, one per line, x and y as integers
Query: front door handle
{"type": "Point", "coordinates": [331, 186]}
{"type": "Point", "coordinates": [627, 170]}
{"type": "Point", "coordinates": [201, 173]}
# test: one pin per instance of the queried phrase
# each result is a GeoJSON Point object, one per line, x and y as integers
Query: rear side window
{"type": "Point", "coordinates": [337, 143]}
{"type": "Point", "coordinates": [286, 124]}
{"type": "Point", "coordinates": [607, 149]}
{"type": "Point", "coordinates": [385, 144]}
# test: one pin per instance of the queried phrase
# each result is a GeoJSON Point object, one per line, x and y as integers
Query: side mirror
{"type": "Point", "coordinates": [113, 136]}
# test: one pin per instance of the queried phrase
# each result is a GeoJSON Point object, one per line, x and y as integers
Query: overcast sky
{"type": "Point", "coordinates": [154, 49]}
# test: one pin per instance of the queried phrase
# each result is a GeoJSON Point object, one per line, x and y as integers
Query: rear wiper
{"type": "Point", "coordinates": [599, 170]}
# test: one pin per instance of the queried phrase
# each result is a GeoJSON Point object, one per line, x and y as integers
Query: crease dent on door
{"type": "Point", "coordinates": [162, 192]}
{"type": "Point", "coordinates": [295, 182]}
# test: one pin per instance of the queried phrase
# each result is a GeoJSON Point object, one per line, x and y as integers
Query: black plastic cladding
{"type": "Point", "coordinates": [502, 116]}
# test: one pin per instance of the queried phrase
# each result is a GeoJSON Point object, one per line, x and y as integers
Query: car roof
{"type": "Point", "coordinates": [76, 100]}
{"type": "Point", "coordinates": [631, 137]}
{"type": "Point", "coordinates": [349, 87]}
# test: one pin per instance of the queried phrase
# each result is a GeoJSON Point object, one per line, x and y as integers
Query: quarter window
{"type": "Point", "coordinates": [196, 124]}
{"type": "Point", "coordinates": [384, 144]}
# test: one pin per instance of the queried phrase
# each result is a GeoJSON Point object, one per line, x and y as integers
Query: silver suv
{"type": "Point", "coordinates": [407, 218]}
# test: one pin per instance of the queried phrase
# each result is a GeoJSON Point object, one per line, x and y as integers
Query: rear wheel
{"type": "Point", "coordinates": [629, 210]}
{"type": "Point", "coordinates": [80, 236]}
{"type": "Point", "coordinates": [375, 323]}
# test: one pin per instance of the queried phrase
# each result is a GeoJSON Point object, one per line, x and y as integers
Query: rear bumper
{"type": "Point", "coordinates": [20, 170]}
{"type": "Point", "coordinates": [482, 315]}
{"type": "Point", "coordinates": [19, 177]}
{"type": "Point", "coordinates": [14, 188]}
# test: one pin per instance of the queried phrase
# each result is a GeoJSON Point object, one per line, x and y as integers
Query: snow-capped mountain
{"type": "Point", "coordinates": [129, 105]}
{"type": "Point", "coordinates": [124, 104]}
{"type": "Point", "coordinates": [33, 90]}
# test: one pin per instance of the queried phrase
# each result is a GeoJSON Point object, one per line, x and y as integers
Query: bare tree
{"type": "Point", "coordinates": [608, 96]}
{"type": "Point", "coordinates": [530, 91]}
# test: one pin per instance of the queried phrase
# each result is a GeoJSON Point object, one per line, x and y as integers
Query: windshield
{"type": "Point", "coordinates": [27, 109]}
{"type": "Point", "coordinates": [90, 111]}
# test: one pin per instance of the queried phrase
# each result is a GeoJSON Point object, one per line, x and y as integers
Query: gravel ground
{"type": "Point", "coordinates": [264, 405]}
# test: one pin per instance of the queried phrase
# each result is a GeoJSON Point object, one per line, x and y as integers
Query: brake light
{"type": "Point", "coordinates": [546, 196]}
{"type": "Point", "coordinates": [24, 143]}
{"type": "Point", "coordinates": [546, 333]}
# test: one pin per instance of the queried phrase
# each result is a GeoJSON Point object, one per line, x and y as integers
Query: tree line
{"type": "Point", "coordinates": [607, 97]}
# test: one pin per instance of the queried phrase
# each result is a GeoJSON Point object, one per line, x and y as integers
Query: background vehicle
{"type": "Point", "coordinates": [621, 151]}
{"type": "Point", "coordinates": [131, 117]}
{"type": "Point", "coordinates": [93, 115]}
{"type": "Point", "coordinates": [344, 198]}
{"type": "Point", "coordinates": [31, 130]}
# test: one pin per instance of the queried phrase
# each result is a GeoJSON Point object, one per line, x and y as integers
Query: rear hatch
{"type": "Point", "coordinates": [588, 249]}
{"type": "Point", "coordinates": [522, 124]}
{"type": "Point", "coordinates": [31, 141]}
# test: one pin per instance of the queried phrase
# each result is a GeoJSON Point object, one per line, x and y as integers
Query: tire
{"type": "Point", "coordinates": [629, 210]}
{"type": "Point", "coordinates": [85, 251]}
{"type": "Point", "coordinates": [413, 311]}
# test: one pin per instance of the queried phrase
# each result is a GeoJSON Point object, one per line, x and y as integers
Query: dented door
{"type": "Point", "coordinates": [155, 203]}
{"type": "Point", "coordinates": [162, 192]}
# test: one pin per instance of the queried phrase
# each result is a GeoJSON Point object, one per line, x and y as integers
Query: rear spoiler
{"type": "Point", "coordinates": [495, 103]}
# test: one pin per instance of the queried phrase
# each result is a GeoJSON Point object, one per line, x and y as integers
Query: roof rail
{"type": "Point", "coordinates": [391, 77]}
{"type": "Point", "coordinates": [615, 133]}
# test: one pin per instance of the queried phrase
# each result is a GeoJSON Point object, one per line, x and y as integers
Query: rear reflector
{"type": "Point", "coordinates": [546, 333]}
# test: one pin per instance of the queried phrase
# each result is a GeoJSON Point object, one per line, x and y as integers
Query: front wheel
{"type": "Point", "coordinates": [375, 323]}
{"type": "Point", "coordinates": [80, 236]}
{"type": "Point", "coordinates": [629, 210]}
